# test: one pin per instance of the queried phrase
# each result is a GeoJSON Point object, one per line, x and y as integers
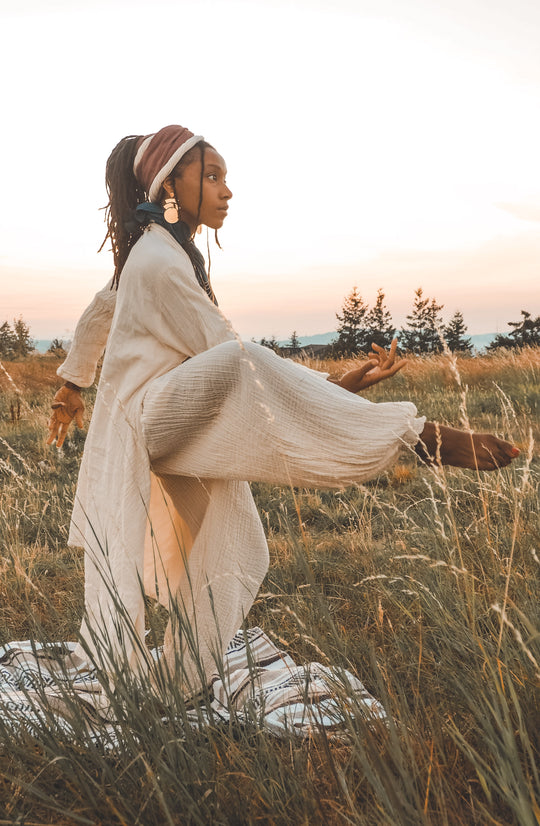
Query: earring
{"type": "Point", "coordinates": [171, 210]}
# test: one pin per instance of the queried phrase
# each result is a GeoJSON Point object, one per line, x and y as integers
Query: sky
{"type": "Point", "coordinates": [373, 143]}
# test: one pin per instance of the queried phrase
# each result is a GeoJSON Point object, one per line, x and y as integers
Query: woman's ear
{"type": "Point", "coordinates": [171, 208]}
{"type": "Point", "coordinates": [168, 186]}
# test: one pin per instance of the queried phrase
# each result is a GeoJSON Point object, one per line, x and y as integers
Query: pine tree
{"type": "Point", "coordinates": [294, 343]}
{"type": "Point", "coordinates": [422, 334]}
{"type": "Point", "coordinates": [7, 341]}
{"type": "Point", "coordinates": [379, 327]}
{"type": "Point", "coordinates": [454, 334]}
{"type": "Point", "coordinates": [23, 343]}
{"type": "Point", "coordinates": [352, 337]}
{"type": "Point", "coordinates": [525, 332]}
{"type": "Point", "coordinates": [273, 344]}
{"type": "Point", "coordinates": [500, 340]}
{"type": "Point", "coordinates": [56, 348]}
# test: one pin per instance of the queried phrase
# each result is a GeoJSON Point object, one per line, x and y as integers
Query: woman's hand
{"type": "Point", "coordinates": [67, 405]}
{"type": "Point", "coordinates": [381, 365]}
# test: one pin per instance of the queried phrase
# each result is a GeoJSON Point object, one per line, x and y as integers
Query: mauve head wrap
{"type": "Point", "coordinates": [158, 154]}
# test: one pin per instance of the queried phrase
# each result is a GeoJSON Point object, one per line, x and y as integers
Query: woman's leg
{"type": "Point", "coordinates": [481, 451]}
{"type": "Point", "coordinates": [241, 412]}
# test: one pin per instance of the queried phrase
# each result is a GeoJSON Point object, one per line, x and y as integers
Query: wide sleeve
{"type": "Point", "coordinates": [89, 339]}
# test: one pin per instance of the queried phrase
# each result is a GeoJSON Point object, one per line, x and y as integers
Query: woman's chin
{"type": "Point", "coordinates": [218, 221]}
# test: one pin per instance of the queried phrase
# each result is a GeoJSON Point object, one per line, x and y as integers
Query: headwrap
{"type": "Point", "coordinates": [158, 154]}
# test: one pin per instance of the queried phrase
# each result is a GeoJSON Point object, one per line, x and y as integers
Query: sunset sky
{"type": "Point", "coordinates": [376, 143]}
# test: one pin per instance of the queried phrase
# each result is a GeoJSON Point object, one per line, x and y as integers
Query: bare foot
{"type": "Point", "coordinates": [480, 451]}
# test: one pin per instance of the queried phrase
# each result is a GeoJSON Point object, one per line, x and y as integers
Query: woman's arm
{"type": "Point", "coordinates": [438, 444]}
{"type": "Point", "coordinates": [80, 365]}
{"type": "Point", "coordinates": [89, 340]}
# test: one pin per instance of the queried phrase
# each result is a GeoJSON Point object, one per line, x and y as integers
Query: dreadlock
{"type": "Point", "coordinates": [125, 193]}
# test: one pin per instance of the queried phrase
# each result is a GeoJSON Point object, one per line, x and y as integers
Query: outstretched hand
{"type": "Point", "coordinates": [67, 405]}
{"type": "Point", "coordinates": [380, 365]}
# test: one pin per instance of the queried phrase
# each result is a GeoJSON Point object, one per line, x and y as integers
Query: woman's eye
{"type": "Point", "coordinates": [213, 176]}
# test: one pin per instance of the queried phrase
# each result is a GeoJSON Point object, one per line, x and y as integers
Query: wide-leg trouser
{"type": "Point", "coordinates": [238, 412]}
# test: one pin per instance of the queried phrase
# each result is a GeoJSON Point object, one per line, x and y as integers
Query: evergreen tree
{"type": "Point", "coordinates": [525, 332]}
{"type": "Point", "coordinates": [271, 343]}
{"type": "Point", "coordinates": [294, 343]}
{"type": "Point", "coordinates": [500, 340]}
{"type": "Point", "coordinates": [379, 327]}
{"type": "Point", "coordinates": [7, 341]}
{"type": "Point", "coordinates": [352, 337]}
{"type": "Point", "coordinates": [422, 334]}
{"type": "Point", "coordinates": [454, 334]}
{"type": "Point", "coordinates": [23, 343]}
{"type": "Point", "coordinates": [57, 348]}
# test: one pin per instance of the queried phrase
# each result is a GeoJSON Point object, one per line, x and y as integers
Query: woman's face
{"type": "Point", "coordinates": [215, 192]}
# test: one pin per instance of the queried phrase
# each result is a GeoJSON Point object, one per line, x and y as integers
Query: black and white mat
{"type": "Point", "coordinates": [260, 685]}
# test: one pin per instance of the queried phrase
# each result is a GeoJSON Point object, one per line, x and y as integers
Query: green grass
{"type": "Point", "coordinates": [423, 583]}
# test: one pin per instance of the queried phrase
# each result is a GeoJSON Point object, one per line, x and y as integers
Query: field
{"type": "Point", "coordinates": [424, 583]}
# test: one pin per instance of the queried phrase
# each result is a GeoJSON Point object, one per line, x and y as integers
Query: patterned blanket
{"type": "Point", "coordinates": [259, 685]}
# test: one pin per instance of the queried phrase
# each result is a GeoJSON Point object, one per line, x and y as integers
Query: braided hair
{"type": "Point", "coordinates": [125, 194]}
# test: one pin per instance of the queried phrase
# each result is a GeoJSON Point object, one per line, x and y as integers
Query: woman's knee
{"type": "Point", "coordinates": [234, 355]}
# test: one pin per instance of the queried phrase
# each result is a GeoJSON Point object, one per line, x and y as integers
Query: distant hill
{"type": "Point", "coordinates": [482, 340]}
{"type": "Point", "coordinates": [43, 344]}
{"type": "Point", "coordinates": [479, 341]}
{"type": "Point", "coordinates": [319, 338]}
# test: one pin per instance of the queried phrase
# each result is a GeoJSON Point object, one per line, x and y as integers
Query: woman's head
{"type": "Point", "coordinates": [175, 163]}
{"type": "Point", "coordinates": [198, 184]}
{"type": "Point", "coordinates": [170, 163]}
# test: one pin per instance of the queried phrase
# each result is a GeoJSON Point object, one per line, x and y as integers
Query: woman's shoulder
{"type": "Point", "coordinates": [154, 257]}
{"type": "Point", "coordinates": [157, 267]}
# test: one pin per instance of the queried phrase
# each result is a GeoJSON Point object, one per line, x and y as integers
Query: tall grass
{"type": "Point", "coordinates": [422, 582]}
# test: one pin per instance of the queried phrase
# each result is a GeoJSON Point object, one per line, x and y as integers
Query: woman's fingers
{"type": "Point", "coordinates": [396, 366]}
{"type": "Point", "coordinates": [62, 433]}
{"type": "Point", "coordinates": [366, 367]}
{"type": "Point", "coordinates": [53, 430]}
{"type": "Point", "coordinates": [385, 359]}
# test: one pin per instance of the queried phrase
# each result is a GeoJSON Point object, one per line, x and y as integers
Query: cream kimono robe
{"type": "Point", "coordinates": [138, 530]}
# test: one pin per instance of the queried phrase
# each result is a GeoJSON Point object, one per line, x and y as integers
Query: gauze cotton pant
{"type": "Point", "coordinates": [239, 413]}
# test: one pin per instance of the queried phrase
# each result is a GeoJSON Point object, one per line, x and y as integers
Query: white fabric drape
{"type": "Point", "coordinates": [162, 495]}
{"type": "Point", "coordinates": [239, 412]}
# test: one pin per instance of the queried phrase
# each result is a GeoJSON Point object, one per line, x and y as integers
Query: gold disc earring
{"type": "Point", "coordinates": [171, 210]}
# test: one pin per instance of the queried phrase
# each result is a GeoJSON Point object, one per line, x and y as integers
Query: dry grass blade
{"type": "Point", "coordinates": [424, 585]}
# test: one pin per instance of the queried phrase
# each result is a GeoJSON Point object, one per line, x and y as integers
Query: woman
{"type": "Point", "coordinates": [185, 413]}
